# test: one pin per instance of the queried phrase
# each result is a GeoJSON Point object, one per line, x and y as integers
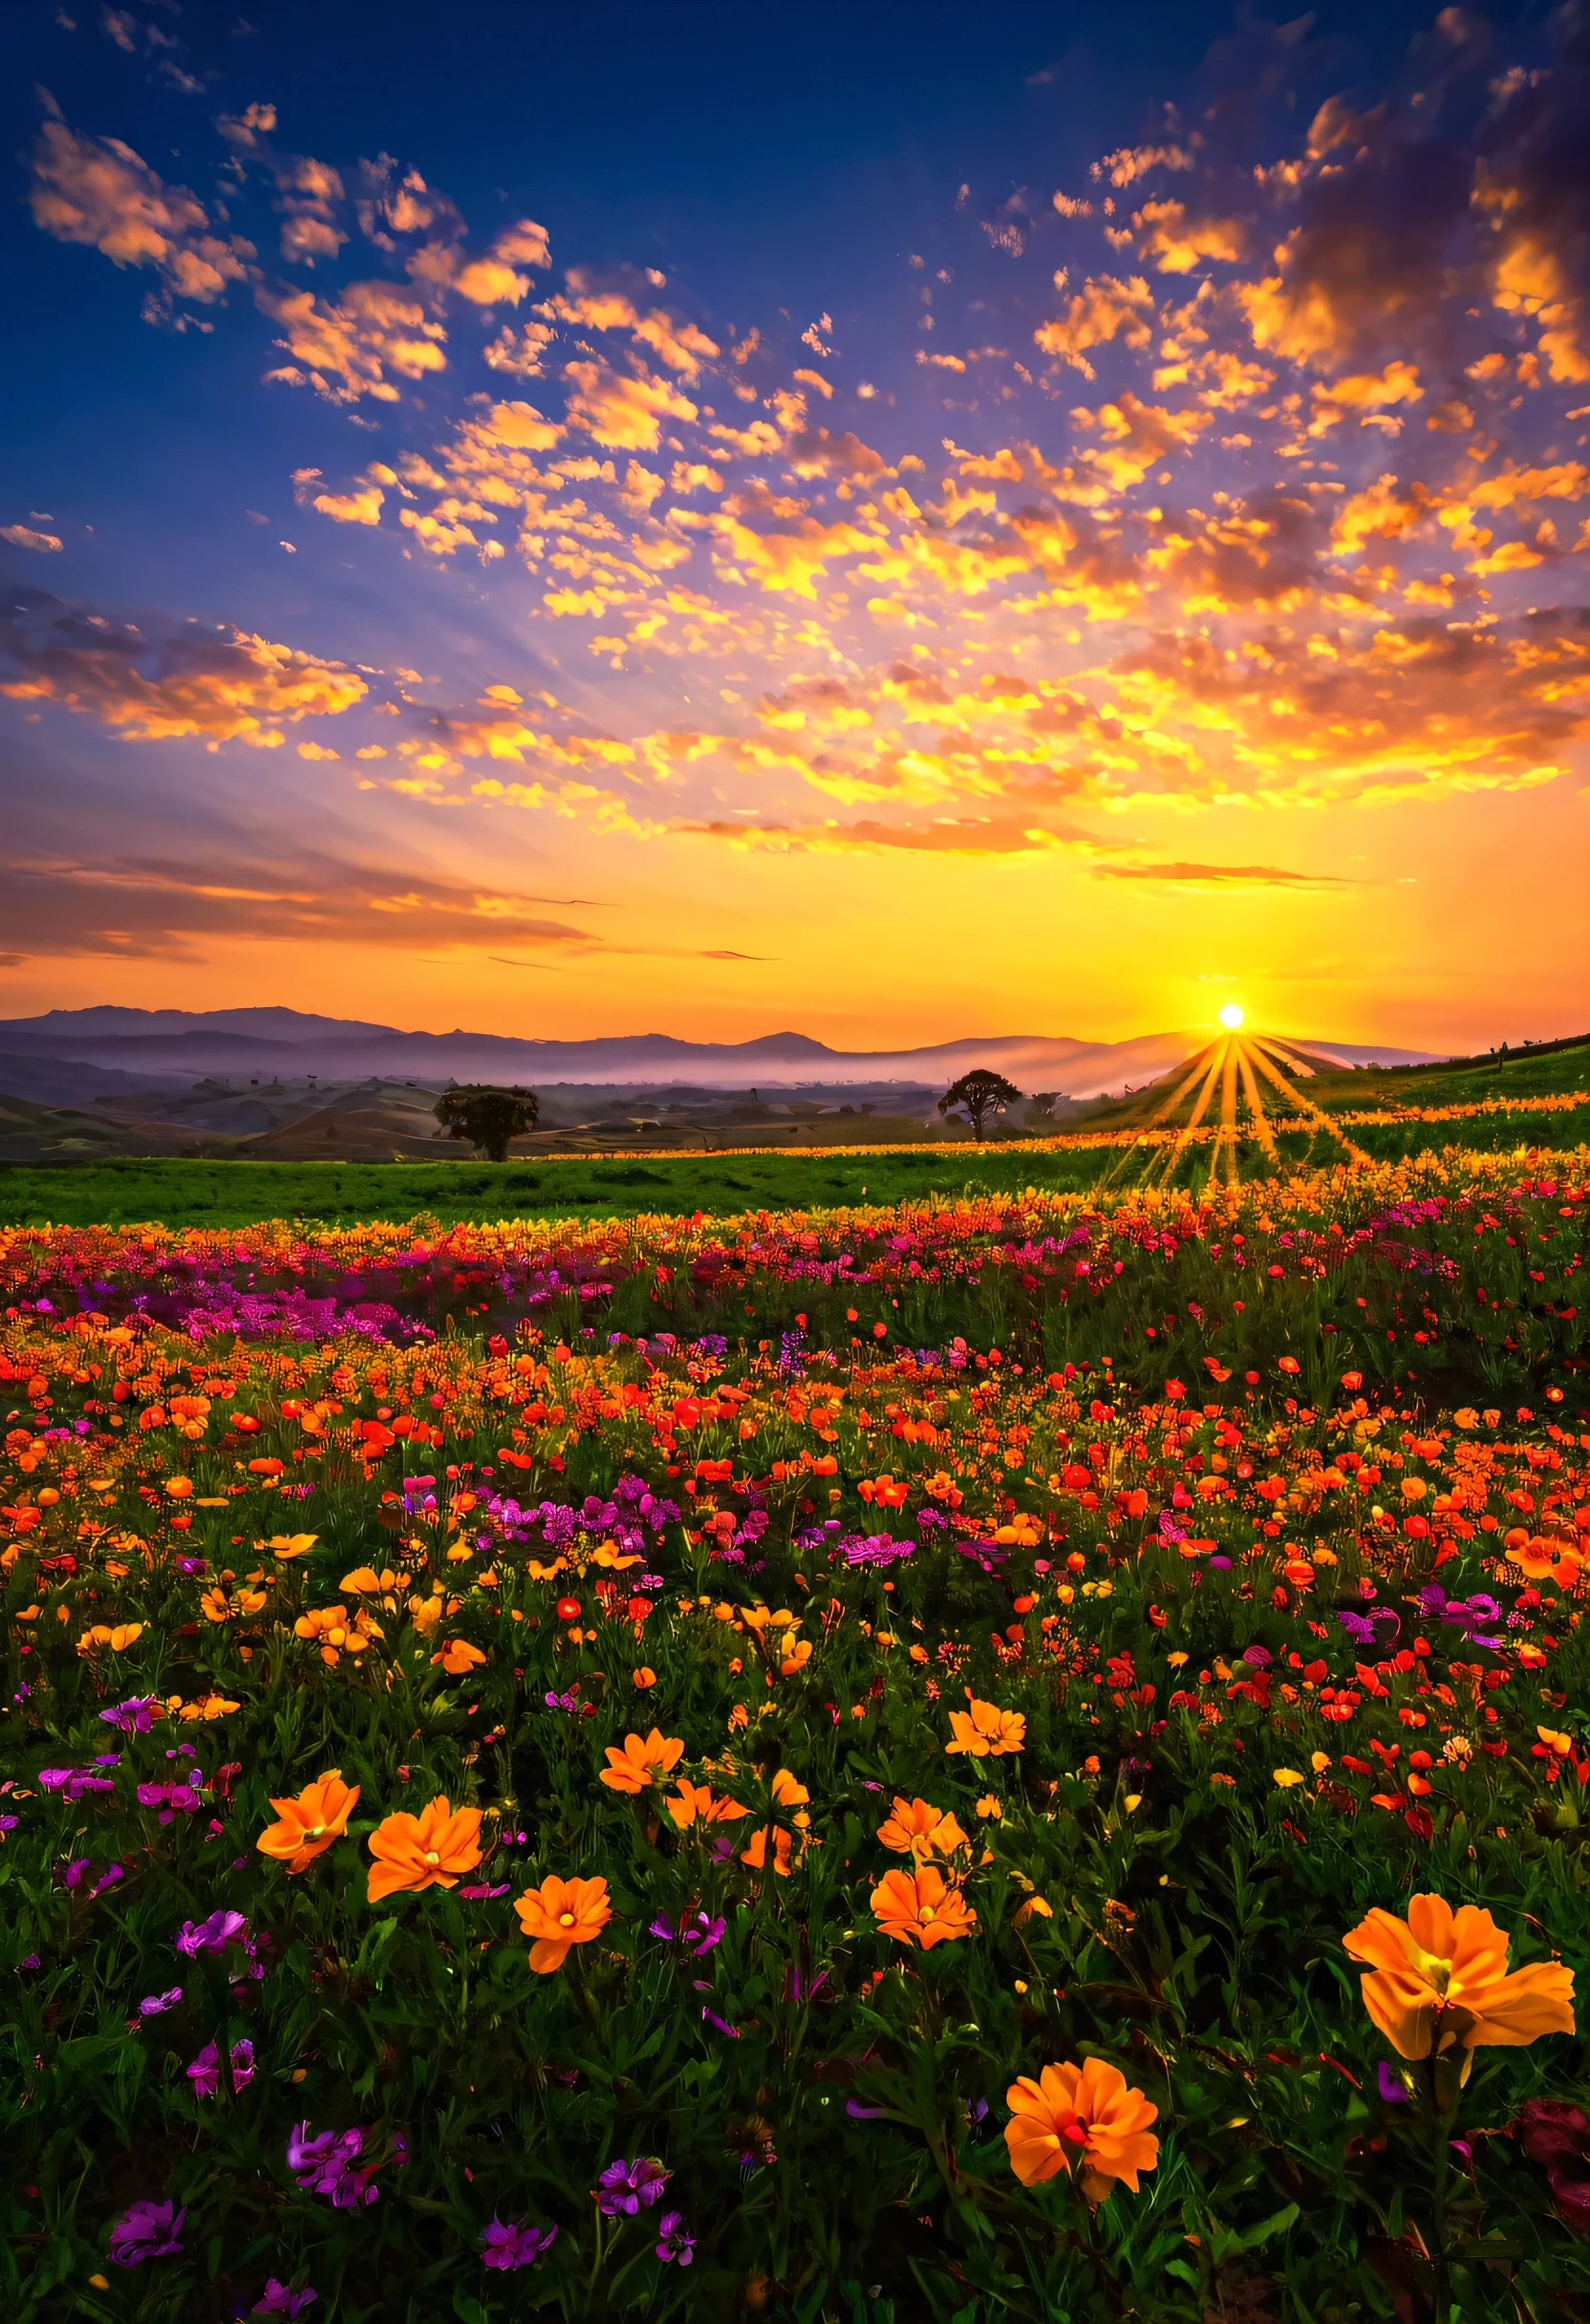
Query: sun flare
{"type": "Point", "coordinates": [1231, 1016]}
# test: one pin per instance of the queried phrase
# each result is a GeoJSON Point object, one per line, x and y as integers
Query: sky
{"type": "Point", "coordinates": [904, 523]}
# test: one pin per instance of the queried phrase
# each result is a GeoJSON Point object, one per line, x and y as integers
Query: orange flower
{"type": "Point", "coordinates": [1088, 2115]}
{"type": "Point", "coordinates": [917, 1828]}
{"type": "Point", "coordinates": [987, 1732]}
{"type": "Point", "coordinates": [641, 1764]}
{"type": "Point", "coordinates": [1440, 1977]}
{"type": "Point", "coordinates": [917, 1908]}
{"type": "Point", "coordinates": [644, 1677]}
{"type": "Point", "coordinates": [756, 1854]}
{"type": "Point", "coordinates": [310, 1823]}
{"type": "Point", "coordinates": [458, 1656]}
{"type": "Point", "coordinates": [693, 1803]}
{"type": "Point", "coordinates": [424, 1851]}
{"type": "Point", "coordinates": [560, 1914]}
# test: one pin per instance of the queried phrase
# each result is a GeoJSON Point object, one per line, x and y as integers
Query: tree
{"type": "Point", "coordinates": [978, 1094]}
{"type": "Point", "coordinates": [488, 1118]}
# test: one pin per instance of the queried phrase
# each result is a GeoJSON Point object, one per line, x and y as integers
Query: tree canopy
{"type": "Point", "coordinates": [977, 1094]}
{"type": "Point", "coordinates": [488, 1118]}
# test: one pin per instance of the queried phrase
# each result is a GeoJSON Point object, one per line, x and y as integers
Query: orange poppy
{"type": "Point", "coordinates": [918, 1909]}
{"type": "Point", "coordinates": [560, 1914]}
{"type": "Point", "coordinates": [917, 1828]}
{"type": "Point", "coordinates": [641, 1764]}
{"type": "Point", "coordinates": [1440, 1977]}
{"type": "Point", "coordinates": [424, 1851]}
{"type": "Point", "coordinates": [1086, 2115]}
{"type": "Point", "coordinates": [985, 1730]}
{"type": "Point", "coordinates": [310, 1823]}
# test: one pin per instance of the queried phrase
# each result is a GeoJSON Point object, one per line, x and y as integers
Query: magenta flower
{"type": "Point", "coordinates": [155, 2005]}
{"type": "Point", "coordinates": [279, 2299]}
{"type": "Point", "coordinates": [135, 1716]}
{"type": "Point", "coordinates": [212, 1935]}
{"type": "Point", "coordinates": [204, 2073]}
{"type": "Point", "coordinates": [674, 2242]}
{"type": "Point", "coordinates": [506, 2246]}
{"type": "Point", "coordinates": [625, 2187]}
{"type": "Point", "coordinates": [328, 2164]}
{"type": "Point", "coordinates": [148, 2230]}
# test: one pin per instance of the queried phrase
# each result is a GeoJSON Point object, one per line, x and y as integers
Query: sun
{"type": "Point", "coordinates": [1231, 1016]}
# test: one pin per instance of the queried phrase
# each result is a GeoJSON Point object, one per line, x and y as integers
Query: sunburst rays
{"type": "Point", "coordinates": [1218, 1100]}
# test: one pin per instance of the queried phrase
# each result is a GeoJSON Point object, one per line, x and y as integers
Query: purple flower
{"type": "Point", "coordinates": [133, 1716]}
{"type": "Point", "coordinates": [74, 1783]}
{"type": "Point", "coordinates": [1256, 1657]}
{"type": "Point", "coordinates": [475, 1894]}
{"type": "Point", "coordinates": [212, 1935]}
{"type": "Point", "coordinates": [1392, 2088]}
{"type": "Point", "coordinates": [506, 2246]}
{"type": "Point", "coordinates": [625, 2187]}
{"type": "Point", "coordinates": [673, 2242]}
{"type": "Point", "coordinates": [204, 2073]}
{"type": "Point", "coordinates": [279, 2299]}
{"type": "Point", "coordinates": [328, 2164]}
{"type": "Point", "coordinates": [72, 1877]}
{"type": "Point", "coordinates": [155, 2005]}
{"type": "Point", "coordinates": [698, 1940]}
{"type": "Point", "coordinates": [149, 2231]}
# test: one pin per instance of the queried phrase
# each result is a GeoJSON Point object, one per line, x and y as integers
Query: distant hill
{"type": "Point", "coordinates": [148, 1047]}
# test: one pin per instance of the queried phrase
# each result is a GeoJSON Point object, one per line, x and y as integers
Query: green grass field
{"type": "Point", "coordinates": [237, 1193]}
{"type": "Point", "coordinates": [178, 1192]}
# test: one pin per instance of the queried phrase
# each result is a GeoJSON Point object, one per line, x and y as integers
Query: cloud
{"type": "Point", "coordinates": [1101, 311]}
{"type": "Point", "coordinates": [1532, 189]}
{"type": "Point", "coordinates": [346, 346]}
{"type": "Point", "coordinates": [131, 906]}
{"type": "Point", "coordinates": [621, 410]}
{"type": "Point", "coordinates": [23, 536]}
{"type": "Point", "coordinates": [361, 506]}
{"type": "Point", "coordinates": [1221, 875]}
{"type": "Point", "coordinates": [220, 686]}
{"type": "Point", "coordinates": [1176, 244]}
{"type": "Point", "coordinates": [99, 192]}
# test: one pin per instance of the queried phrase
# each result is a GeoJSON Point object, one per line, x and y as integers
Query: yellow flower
{"type": "Point", "coordinates": [1286, 1777]}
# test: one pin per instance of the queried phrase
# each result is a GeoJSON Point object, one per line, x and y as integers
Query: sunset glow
{"type": "Point", "coordinates": [1000, 549]}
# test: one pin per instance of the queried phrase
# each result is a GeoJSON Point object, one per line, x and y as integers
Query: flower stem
{"type": "Point", "coordinates": [1441, 2120]}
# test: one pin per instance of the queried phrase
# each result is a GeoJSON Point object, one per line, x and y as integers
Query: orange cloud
{"type": "Point", "coordinates": [97, 191]}
{"type": "Point", "coordinates": [220, 687]}
{"type": "Point", "coordinates": [620, 410]}
{"type": "Point", "coordinates": [1101, 312]}
{"type": "Point", "coordinates": [348, 345]}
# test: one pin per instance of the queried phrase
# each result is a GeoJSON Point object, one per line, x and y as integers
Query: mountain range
{"type": "Point", "coordinates": [163, 1048]}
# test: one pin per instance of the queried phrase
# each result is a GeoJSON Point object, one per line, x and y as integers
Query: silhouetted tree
{"type": "Point", "coordinates": [978, 1094]}
{"type": "Point", "coordinates": [488, 1118]}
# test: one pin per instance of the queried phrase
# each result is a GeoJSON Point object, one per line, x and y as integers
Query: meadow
{"type": "Point", "coordinates": [861, 1762]}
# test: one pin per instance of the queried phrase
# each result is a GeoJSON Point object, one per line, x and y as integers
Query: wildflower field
{"type": "Point", "coordinates": [1017, 1757]}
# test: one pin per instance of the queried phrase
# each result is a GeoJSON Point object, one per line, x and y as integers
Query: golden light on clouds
{"type": "Point", "coordinates": [1211, 555]}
